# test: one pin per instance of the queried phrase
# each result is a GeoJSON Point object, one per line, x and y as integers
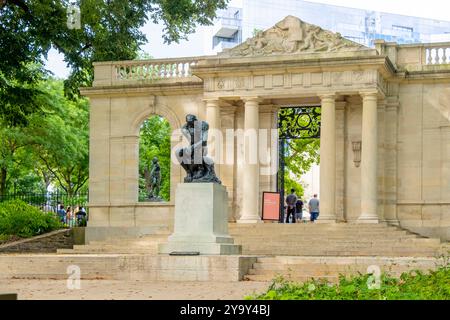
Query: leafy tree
{"type": "Point", "coordinates": [110, 30]}
{"type": "Point", "coordinates": [300, 156]}
{"type": "Point", "coordinates": [302, 152]}
{"type": "Point", "coordinates": [13, 141]}
{"type": "Point", "coordinates": [155, 142]}
{"type": "Point", "coordinates": [53, 147]}
{"type": "Point", "coordinates": [61, 139]}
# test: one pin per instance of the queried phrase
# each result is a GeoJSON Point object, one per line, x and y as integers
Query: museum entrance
{"type": "Point", "coordinates": [299, 149]}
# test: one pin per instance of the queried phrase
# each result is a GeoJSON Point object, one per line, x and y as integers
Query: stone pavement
{"type": "Point", "coordinates": [133, 290]}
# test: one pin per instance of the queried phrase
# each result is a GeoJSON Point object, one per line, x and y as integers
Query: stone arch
{"type": "Point", "coordinates": [157, 110]}
{"type": "Point", "coordinates": [168, 114]}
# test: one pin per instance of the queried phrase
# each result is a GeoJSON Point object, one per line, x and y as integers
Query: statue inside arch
{"type": "Point", "coordinates": [199, 167]}
{"type": "Point", "coordinates": [154, 181]}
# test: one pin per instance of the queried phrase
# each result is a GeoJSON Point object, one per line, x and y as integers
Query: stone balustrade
{"type": "Point", "coordinates": [124, 72]}
{"type": "Point", "coordinates": [417, 56]}
{"type": "Point", "coordinates": [437, 53]}
{"type": "Point", "coordinates": [154, 69]}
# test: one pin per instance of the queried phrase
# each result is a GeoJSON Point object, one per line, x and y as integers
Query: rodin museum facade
{"type": "Point", "coordinates": [384, 129]}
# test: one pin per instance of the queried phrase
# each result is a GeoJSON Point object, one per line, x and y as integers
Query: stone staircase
{"type": "Point", "coordinates": [273, 239]}
{"type": "Point", "coordinates": [340, 239]}
{"type": "Point", "coordinates": [301, 269]}
{"type": "Point", "coordinates": [303, 251]}
{"type": "Point", "coordinates": [144, 245]}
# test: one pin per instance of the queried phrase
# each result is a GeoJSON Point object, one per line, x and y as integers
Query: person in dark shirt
{"type": "Point", "coordinates": [291, 199]}
{"type": "Point", "coordinates": [299, 209]}
{"type": "Point", "coordinates": [81, 217]}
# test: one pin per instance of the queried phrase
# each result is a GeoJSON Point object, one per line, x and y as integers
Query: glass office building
{"type": "Point", "coordinates": [234, 25]}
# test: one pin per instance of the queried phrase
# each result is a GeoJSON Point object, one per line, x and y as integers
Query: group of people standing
{"type": "Point", "coordinates": [294, 208]}
{"type": "Point", "coordinates": [76, 217]}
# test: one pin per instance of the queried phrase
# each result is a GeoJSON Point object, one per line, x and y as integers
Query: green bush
{"type": "Point", "coordinates": [413, 285]}
{"type": "Point", "coordinates": [22, 220]}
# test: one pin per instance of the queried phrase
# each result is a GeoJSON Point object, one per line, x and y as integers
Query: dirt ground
{"type": "Point", "coordinates": [136, 290]}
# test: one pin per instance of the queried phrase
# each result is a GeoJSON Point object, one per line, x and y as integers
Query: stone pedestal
{"type": "Point", "coordinates": [201, 221]}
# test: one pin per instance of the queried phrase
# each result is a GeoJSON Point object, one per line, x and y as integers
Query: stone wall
{"type": "Point", "coordinates": [45, 243]}
{"type": "Point", "coordinates": [423, 146]}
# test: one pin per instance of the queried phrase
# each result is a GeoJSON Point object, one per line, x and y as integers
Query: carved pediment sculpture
{"type": "Point", "coordinates": [290, 36]}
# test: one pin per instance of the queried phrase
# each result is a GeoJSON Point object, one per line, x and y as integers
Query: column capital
{"type": "Point", "coordinates": [372, 94]}
{"type": "Point", "coordinates": [327, 96]}
{"type": "Point", "coordinates": [252, 99]}
{"type": "Point", "coordinates": [211, 101]}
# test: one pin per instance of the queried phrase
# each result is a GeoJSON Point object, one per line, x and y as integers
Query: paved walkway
{"type": "Point", "coordinates": [121, 290]}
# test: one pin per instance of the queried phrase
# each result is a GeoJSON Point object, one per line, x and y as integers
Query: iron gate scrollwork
{"type": "Point", "coordinates": [299, 122]}
{"type": "Point", "coordinates": [294, 123]}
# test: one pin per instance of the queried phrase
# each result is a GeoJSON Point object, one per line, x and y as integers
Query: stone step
{"type": "Point", "coordinates": [338, 246]}
{"type": "Point", "coordinates": [302, 268]}
{"type": "Point", "coordinates": [306, 231]}
{"type": "Point", "coordinates": [330, 268]}
{"type": "Point", "coordinates": [349, 260]}
{"type": "Point", "coordinates": [109, 245]}
{"type": "Point", "coordinates": [343, 252]}
{"type": "Point", "coordinates": [386, 236]}
{"type": "Point", "coordinates": [320, 273]}
{"type": "Point", "coordinates": [130, 241]}
{"type": "Point", "coordinates": [338, 240]}
{"type": "Point", "coordinates": [279, 247]}
{"type": "Point", "coordinates": [265, 277]}
{"type": "Point", "coordinates": [314, 225]}
{"type": "Point", "coordinates": [126, 267]}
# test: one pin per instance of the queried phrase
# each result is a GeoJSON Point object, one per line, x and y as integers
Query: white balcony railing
{"type": "Point", "coordinates": [153, 69]}
{"type": "Point", "coordinates": [157, 70]}
{"type": "Point", "coordinates": [437, 54]}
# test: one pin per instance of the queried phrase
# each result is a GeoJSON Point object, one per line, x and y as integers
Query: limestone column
{"type": "Point", "coordinates": [340, 159]}
{"type": "Point", "coordinates": [369, 147]}
{"type": "Point", "coordinates": [390, 180]}
{"type": "Point", "coordinates": [250, 196]}
{"type": "Point", "coordinates": [214, 133]}
{"type": "Point", "coordinates": [228, 166]}
{"type": "Point", "coordinates": [327, 159]}
{"type": "Point", "coordinates": [381, 158]}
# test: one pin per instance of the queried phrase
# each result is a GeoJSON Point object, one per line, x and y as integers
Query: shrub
{"type": "Point", "coordinates": [413, 285]}
{"type": "Point", "coordinates": [22, 220]}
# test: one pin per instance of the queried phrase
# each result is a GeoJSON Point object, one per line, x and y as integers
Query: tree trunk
{"type": "Point", "coordinates": [3, 173]}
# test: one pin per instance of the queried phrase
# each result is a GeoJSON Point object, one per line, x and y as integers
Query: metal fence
{"type": "Point", "coordinates": [51, 202]}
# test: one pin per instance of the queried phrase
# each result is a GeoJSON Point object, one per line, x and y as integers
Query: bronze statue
{"type": "Point", "coordinates": [154, 181]}
{"type": "Point", "coordinates": [199, 167]}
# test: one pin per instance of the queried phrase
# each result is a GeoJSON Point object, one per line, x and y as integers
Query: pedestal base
{"type": "Point", "coordinates": [201, 221]}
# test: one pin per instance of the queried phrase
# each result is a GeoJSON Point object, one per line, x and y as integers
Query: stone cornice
{"type": "Point", "coordinates": [296, 63]}
{"type": "Point", "coordinates": [144, 89]}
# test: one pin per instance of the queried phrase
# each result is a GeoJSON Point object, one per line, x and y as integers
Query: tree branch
{"type": "Point", "coordinates": [53, 172]}
{"type": "Point", "coordinates": [17, 3]}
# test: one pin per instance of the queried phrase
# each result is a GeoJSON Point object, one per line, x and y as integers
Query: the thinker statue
{"type": "Point", "coordinates": [154, 181]}
{"type": "Point", "coordinates": [199, 167]}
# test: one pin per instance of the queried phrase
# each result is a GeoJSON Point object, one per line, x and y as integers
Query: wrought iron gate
{"type": "Point", "coordinates": [294, 122]}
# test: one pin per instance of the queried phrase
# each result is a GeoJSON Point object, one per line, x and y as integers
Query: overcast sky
{"type": "Point", "coordinates": [433, 9]}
